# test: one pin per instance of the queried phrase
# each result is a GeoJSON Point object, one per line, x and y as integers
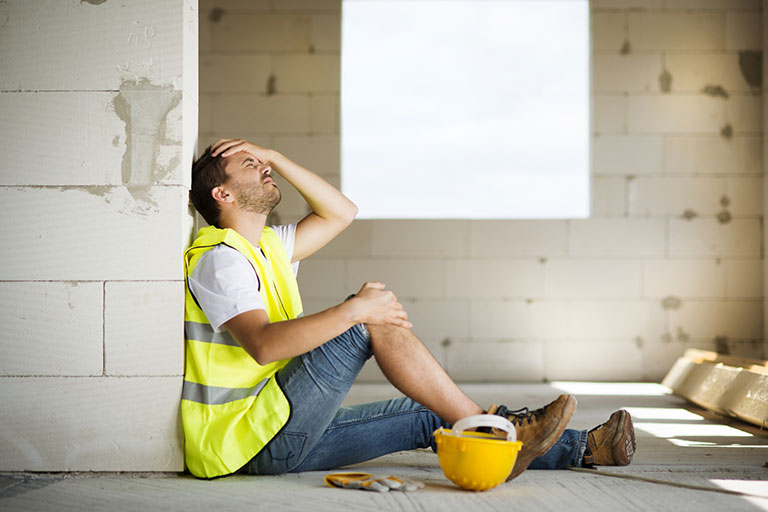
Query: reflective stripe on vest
{"type": "Point", "coordinates": [211, 395]}
{"type": "Point", "coordinates": [231, 406]}
{"type": "Point", "coordinates": [204, 332]}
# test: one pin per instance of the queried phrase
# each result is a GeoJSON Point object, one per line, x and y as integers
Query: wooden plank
{"type": "Point", "coordinates": [739, 390]}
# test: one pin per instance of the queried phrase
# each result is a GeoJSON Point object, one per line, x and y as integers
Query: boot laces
{"type": "Point", "coordinates": [520, 416]}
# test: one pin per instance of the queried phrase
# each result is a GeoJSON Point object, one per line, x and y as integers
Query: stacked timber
{"type": "Point", "coordinates": [728, 385]}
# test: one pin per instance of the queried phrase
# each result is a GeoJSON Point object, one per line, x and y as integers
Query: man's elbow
{"type": "Point", "coordinates": [257, 351]}
{"type": "Point", "coordinates": [261, 358]}
{"type": "Point", "coordinates": [350, 213]}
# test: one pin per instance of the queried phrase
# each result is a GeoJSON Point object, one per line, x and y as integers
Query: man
{"type": "Point", "coordinates": [264, 384]}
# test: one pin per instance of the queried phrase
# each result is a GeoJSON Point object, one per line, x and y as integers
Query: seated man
{"type": "Point", "coordinates": [264, 384]}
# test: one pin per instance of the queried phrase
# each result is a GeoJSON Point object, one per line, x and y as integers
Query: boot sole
{"type": "Point", "coordinates": [522, 463]}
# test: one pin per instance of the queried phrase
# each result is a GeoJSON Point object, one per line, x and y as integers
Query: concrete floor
{"type": "Point", "coordinates": [676, 443]}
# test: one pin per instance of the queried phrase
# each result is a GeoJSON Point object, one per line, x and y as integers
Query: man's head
{"type": "Point", "coordinates": [240, 181]}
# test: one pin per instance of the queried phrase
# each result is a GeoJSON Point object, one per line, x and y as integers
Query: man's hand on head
{"type": "Point", "coordinates": [229, 147]}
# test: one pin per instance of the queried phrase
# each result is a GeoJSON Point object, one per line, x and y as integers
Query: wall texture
{"type": "Point", "coordinates": [671, 257]}
{"type": "Point", "coordinates": [98, 122]}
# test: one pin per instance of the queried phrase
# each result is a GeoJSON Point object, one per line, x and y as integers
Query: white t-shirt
{"type": "Point", "coordinates": [225, 283]}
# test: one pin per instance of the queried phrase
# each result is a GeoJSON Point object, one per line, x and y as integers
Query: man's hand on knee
{"type": "Point", "coordinates": [375, 305]}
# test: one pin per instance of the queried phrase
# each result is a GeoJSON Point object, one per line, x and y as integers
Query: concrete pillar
{"type": "Point", "coordinates": [98, 129]}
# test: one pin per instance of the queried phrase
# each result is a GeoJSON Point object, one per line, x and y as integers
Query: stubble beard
{"type": "Point", "coordinates": [253, 198]}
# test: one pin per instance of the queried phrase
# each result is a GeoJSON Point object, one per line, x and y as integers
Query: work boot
{"type": "Point", "coordinates": [538, 430]}
{"type": "Point", "coordinates": [612, 443]}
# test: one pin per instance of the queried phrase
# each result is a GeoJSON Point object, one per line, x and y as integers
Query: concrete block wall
{"type": "Point", "coordinates": [98, 129]}
{"type": "Point", "coordinates": [671, 257]}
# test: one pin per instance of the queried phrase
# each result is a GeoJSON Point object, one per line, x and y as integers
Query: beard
{"type": "Point", "coordinates": [254, 198]}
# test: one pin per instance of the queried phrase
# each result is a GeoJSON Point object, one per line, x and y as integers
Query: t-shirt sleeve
{"type": "Point", "coordinates": [287, 235]}
{"type": "Point", "coordinates": [225, 285]}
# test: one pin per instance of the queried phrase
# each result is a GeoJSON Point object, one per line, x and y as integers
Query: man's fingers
{"type": "Point", "coordinates": [218, 147]}
{"type": "Point", "coordinates": [224, 146]}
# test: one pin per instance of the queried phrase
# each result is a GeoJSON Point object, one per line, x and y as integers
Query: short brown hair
{"type": "Point", "coordinates": [207, 173]}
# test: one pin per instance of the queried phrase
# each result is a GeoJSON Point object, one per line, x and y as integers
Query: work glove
{"type": "Point", "coordinates": [368, 482]}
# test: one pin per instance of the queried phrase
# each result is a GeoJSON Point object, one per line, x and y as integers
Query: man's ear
{"type": "Point", "coordinates": [220, 194]}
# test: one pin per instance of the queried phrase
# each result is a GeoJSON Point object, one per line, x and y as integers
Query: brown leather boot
{"type": "Point", "coordinates": [612, 443]}
{"type": "Point", "coordinates": [538, 430]}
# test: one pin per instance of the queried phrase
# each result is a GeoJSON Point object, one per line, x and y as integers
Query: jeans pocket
{"type": "Point", "coordinates": [283, 453]}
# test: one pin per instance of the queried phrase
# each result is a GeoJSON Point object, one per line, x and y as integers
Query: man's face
{"type": "Point", "coordinates": [251, 183]}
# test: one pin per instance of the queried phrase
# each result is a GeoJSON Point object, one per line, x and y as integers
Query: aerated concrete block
{"type": "Point", "coordinates": [260, 32]}
{"type": "Point", "coordinates": [486, 279]}
{"type": "Point", "coordinates": [710, 237]}
{"type": "Point", "coordinates": [667, 31]}
{"type": "Point", "coordinates": [695, 278]}
{"type": "Point", "coordinates": [416, 238]}
{"type": "Point", "coordinates": [736, 319]}
{"type": "Point", "coordinates": [234, 73]}
{"type": "Point", "coordinates": [693, 72]}
{"type": "Point", "coordinates": [617, 237]}
{"type": "Point", "coordinates": [506, 319]}
{"type": "Point", "coordinates": [713, 4]}
{"type": "Point", "coordinates": [205, 119]}
{"type": "Point", "coordinates": [743, 30]}
{"type": "Point", "coordinates": [610, 113]}
{"type": "Point", "coordinates": [744, 278]}
{"type": "Point", "coordinates": [625, 73]}
{"type": "Point", "coordinates": [713, 154]}
{"type": "Point", "coordinates": [325, 32]}
{"type": "Point", "coordinates": [627, 154]}
{"type": "Point", "coordinates": [254, 6]}
{"type": "Point", "coordinates": [593, 278]}
{"type": "Point", "coordinates": [608, 196]}
{"type": "Point", "coordinates": [675, 114]}
{"type": "Point", "coordinates": [90, 45]}
{"type": "Point", "coordinates": [608, 30]}
{"type": "Point", "coordinates": [306, 5]}
{"type": "Point", "coordinates": [91, 424]}
{"type": "Point", "coordinates": [745, 114]}
{"type": "Point", "coordinates": [144, 328]}
{"type": "Point", "coordinates": [408, 278]}
{"type": "Point", "coordinates": [353, 242]}
{"type": "Point", "coordinates": [84, 139]}
{"type": "Point", "coordinates": [297, 73]}
{"type": "Point", "coordinates": [668, 195]}
{"type": "Point", "coordinates": [318, 153]}
{"type": "Point", "coordinates": [439, 320]}
{"type": "Point", "coordinates": [616, 320]}
{"type": "Point", "coordinates": [745, 195]}
{"type": "Point", "coordinates": [616, 360]}
{"type": "Point", "coordinates": [51, 328]}
{"type": "Point", "coordinates": [502, 238]}
{"type": "Point", "coordinates": [489, 361]}
{"type": "Point", "coordinates": [324, 114]}
{"type": "Point", "coordinates": [319, 278]}
{"type": "Point", "coordinates": [93, 234]}
{"type": "Point", "coordinates": [626, 4]}
{"type": "Point", "coordinates": [264, 115]}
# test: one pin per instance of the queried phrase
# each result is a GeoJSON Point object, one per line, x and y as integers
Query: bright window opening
{"type": "Point", "coordinates": [466, 108]}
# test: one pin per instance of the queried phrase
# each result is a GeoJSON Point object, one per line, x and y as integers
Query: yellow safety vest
{"type": "Point", "coordinates": [231, 406]}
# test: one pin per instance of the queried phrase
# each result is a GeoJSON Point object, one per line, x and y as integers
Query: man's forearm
{"type": "Point", "coordinates": [269, 342]}
{"type": "Point", "coordinates": [322, 197]}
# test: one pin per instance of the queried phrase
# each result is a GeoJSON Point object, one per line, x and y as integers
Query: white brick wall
{"type": "Point", "coordinates": [675, 233]}
{"type": "Point", "coordinates": [91, 424]}
{"type": "Point", "coordinates": [99, 126]}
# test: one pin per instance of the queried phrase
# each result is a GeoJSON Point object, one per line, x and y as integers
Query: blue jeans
{"type": "Point", "coordinates": [321, 435]}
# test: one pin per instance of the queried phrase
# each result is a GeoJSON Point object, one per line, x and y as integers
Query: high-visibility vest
{"type": "Point", "coordinates": [231, 406]}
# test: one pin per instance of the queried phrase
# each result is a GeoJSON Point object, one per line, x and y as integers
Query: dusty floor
{"type": "Point", "coordinates": [676, 443]}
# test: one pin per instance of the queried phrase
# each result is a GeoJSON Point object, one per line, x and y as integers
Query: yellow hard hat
{"type": "Point", "coordinates": [473, 460]}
